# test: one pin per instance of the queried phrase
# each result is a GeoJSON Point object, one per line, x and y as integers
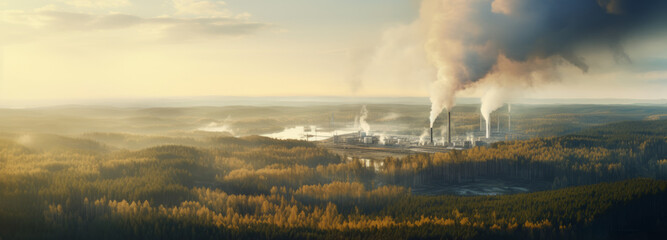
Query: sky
{"type": "Point", "coordinates": [87, 49]}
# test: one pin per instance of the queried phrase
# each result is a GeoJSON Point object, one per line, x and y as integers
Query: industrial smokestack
{"type": "Point", "coordinates": [431, 136]}
{"type": "Point", "coordinates": [488, 127]}
{"type": "Point", "coordinates": [449, 127]}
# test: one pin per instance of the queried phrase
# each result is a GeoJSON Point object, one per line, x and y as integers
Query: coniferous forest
{"type": "Point", "coordinates": [605, 183]}
{"type": "Point", "coordinates": [330, 119]}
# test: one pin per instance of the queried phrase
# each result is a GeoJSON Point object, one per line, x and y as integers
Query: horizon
{"type": "Point", "coordinates": [218, 101]}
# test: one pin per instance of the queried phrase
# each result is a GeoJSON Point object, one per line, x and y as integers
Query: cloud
{"type": "Point", "coordinates": [467, 39]}
{"type": "Point", "coordinates": [471, 40]}
{"type": "Point", "coordinates": [504, 6]}
{"type": "Point", "coordinates": [97, 3]}
{"type": "Point", "coordinates": [39, 23]}
{"type": "Point", "coordinates": [201, 8]}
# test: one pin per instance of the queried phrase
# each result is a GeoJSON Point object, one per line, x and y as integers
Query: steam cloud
{"type": "Point", "coordinates": [491, 101]}
{"type": "Point", "coordinates": [362, 120]}
{"type": "Point", "coordinates": [443, 132]}
{"type": "Point", "coordinates": [356, 122]}
{"type": "Point", "coordinates": [224, 126]}
{"type": "Point", "coordinates": [509, 41]}
{"type": "Point", "coordinates": [423, 136]}
{"type": "Point", "coordinates": [382, 139]}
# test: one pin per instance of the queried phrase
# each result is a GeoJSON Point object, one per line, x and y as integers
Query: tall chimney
{"type": "Point", "coordinates": [449, 127]}
{"type": "Point", "coordinates": [431, 136]}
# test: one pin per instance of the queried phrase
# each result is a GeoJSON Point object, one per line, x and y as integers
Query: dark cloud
{"type": "Point", "coordinates": [529, 29]}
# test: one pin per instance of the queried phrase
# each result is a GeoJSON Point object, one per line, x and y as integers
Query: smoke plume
{"type": "Point", "coordinates": [362, 120]}
{"type": "Point", "coordinates": [224, 126]}
{"type": "Point", "coordinates": [423, 137]}
{"type": "Point", "coordinates": [471, 138]}
{"type": "Point", "coordinates": [382, 140]}
{"type": "Point", "coordinates": [440, 92]}
{"type": "Point", "coordinates": [491, 101]}
{"type": "Point", "coordinates": [470, 40]}
{"type": "Point", "coordinates": [443, 132]}
{"type": "Point", "coordinates": [356, 122]}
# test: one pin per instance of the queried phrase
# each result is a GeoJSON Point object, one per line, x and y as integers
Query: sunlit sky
{"type": "Point", "coordinates": [83, 49]}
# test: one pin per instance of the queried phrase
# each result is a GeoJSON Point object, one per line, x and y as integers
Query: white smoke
{"type": "Point", "coordinates": [443, 22]}
{"type": "Point", "coordinates": [509, 78]}
{"type": "Point", "coordinates": [362, 120]}
{"type": "Point", "coordinates": [224, 126]}
{"type": "Point", "coordinates": [423, 137]}
{"type": "Point", "coordinates": [382, 139]}
{"type": "Point", "coordinates": [442, 96]}
{"type": "Point", "coordinates": [492, 100]}
{"type": "Point", "coordinates": [471, 138]}
{"type": "Point", "coordinates": [443, 133]}
{"type": "Point", "coordinates": [356, 122]}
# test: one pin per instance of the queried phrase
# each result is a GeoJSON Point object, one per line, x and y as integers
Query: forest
{"type": "Point", "coordinates": [606, 184]}
{"type": "Point", "coordinates": [606, 153]}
